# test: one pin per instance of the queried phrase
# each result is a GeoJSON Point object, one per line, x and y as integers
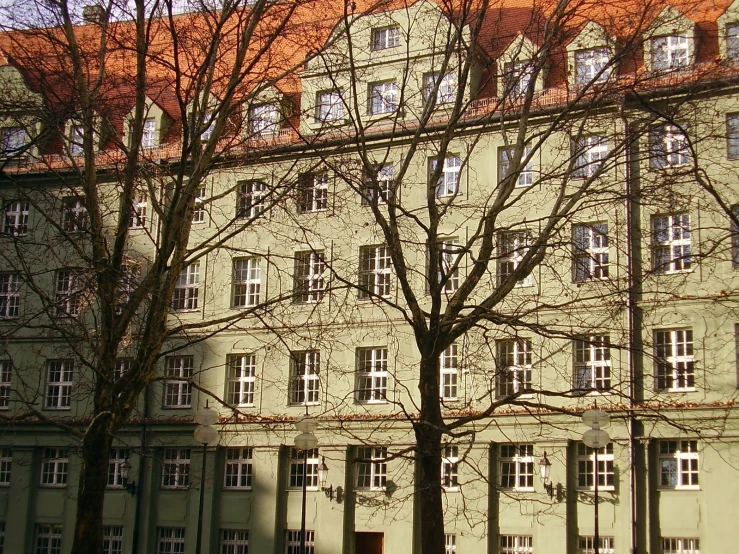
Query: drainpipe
{"type": "Point", "coordinates": [629, 137]}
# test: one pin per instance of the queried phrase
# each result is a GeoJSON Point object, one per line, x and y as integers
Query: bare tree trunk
{"type": "Point", "coordinates": [428, 455]}
{"type": "Point", "coordinates": [88, 535]}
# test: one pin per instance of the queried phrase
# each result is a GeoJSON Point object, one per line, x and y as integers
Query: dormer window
{"type": "Point", "coordinates": [262, 120]}
{"type": "Point", "coordinates": [14, 140]}
{"type": "Point", "coordinates": [591, 65]}
{"type": "Point", "coordinates": [76, 136]}
{"type": "Point", "coordinates": [383, 98]}
{"type": "Point", "coordinates": [387, 37]}
{"type": "Point", "coordinates": [329, 106]}
{"type": "Point", "coordinates": [732, 41]}
{"type": "Point", "coordinates": [210, 120]}
{"type": "Point", "coordinates": [149, 134]}
{"type": "Point", "coordinates": [670, 52]}
{"type": "Point", "coordinates": [518, 77]}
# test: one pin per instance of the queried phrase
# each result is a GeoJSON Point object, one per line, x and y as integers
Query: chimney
{"type": "Point", "coordinates": [94, 13]}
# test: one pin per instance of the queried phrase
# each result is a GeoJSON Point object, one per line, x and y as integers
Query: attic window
{"type": "Point", "coordinates": [670, 52]}
{"type": "Point", "coordinates": [76, 136]}
{"type": "Point", "coordinates": [262, 120]}
{"type": "Point", "coordinates": [732, 41]}
{"type": "Point", "coordinates": [14, 139]}
{"type": "Point", "coordinates": [592, 65]}
{"type": "Point", "coordinates": [149, 136]}
{"type": "Point", "coordinates": [517, 78]}
{"type": "Point", "coordinates": [388, 37]}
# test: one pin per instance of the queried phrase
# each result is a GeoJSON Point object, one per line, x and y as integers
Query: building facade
{"type": "Point", "coordinates": [590, 170]}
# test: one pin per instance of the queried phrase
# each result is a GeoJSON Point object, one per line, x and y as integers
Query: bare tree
{"type": "Point", "coordinates": [498, 158]}
{"type": "Point", "coordinates": [128, 111]}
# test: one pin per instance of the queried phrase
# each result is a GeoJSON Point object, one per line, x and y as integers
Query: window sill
{"type": "Point", "coordinates": [609, 488]}
{"type": "Point", "coordinates": [52, 486]}
{"type": "Point", "coordinates": [299, 489]}
{"type": "Point", "coordinates": [184, 311]}
{"type": "Point", "coordinates": [681, 488]}
{"type": "Point", "coordinates": [189, 406]}
{"type": "Point", "coordinates": [519, 489]}
{"type": "Point", "coordinates": [369, 402]}
{"type": "Point", "coordinates": [676, 391]}
{"type": "Point", "coordinates": [167, 488]}
{"type": "Point", "coordinates": [54, 409]}
{"type": "Point", "coordinates": [240, 489]}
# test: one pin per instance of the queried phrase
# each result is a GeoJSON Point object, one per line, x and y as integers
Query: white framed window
{"type": "Point", "coordinates": [241, 380]}
{"type": "Point", "coordinates": [671, 243]}
{"type": "Point", "coordinates": [517, 78]}
{"type": "Point", "coordinates": [517, 466]}
{"type": "Point", "coordinates": [670, 52]}
{"type": "Point", "coordinates": [6, 464]}
{"type": "Point", "coordinates": [678, 464]}
{"type": "Point", "coordinates": [304, 377]}
{"type": "Point", "coordinates": [672, 545]}
{"type": "Point", "coordinates": [250, 200]}
{"type": "Point", "coordinates": [170, 540]}
{"type": "Point", "coordinates": [516, 544]}
{"type": "Point", "coordinates": [118, 458]}
{"type": "Point", "coordinates": [449, 373]}
{"type": "Point", "coordinates": [448, 182]}
{"type": "Point", "coordinates": [187, 288]}
{"type": "Point", "coordinates": [590, 245]}
{"type": "Point", "coordinates": [122, 366]}
{"type": "Point", "coordinates": [386, 37]}
{"type": "Point", "coordinates": [128, 280]}
{"type": "Point", "coordinates": [447, 90]}
{"type": "Point", "coordinates": [76, 139]}
{"type": "Point", "coordinates": [247, 282]}
{"type": "Point", "coordinates": [378, 187]}
{"type": "Point", "coordinates": [308, 280]}
{"type": "Point", "coordinates": [590, 152]}
{"type": "Point", "coordinates": [2, 537]}
{"type": "Point", "coordinates": [674, 364]}
{"type": "Point", "coordinates": [139, 205]}
{"type": "Point", "coordinates": [371, 375]}
{"type": "Point", "coordinates": [48, 539]}
{"type": "Point", "coordinates": [329, 106]}
{"type": "Point", "coordinates": [591, 65]}
{"type": "Point", "coordinates": [234, 541]}
{"type": "Point", "coordinates": [238, 468]}
{"type": "Point", "coordinates": [447, 267]}
{"type": "Point", "coordinates": [525, 174]}
{"type": "Point", "coordinates": [371, 468]}
{"type": "Point", "coordinates": [383, 98]}
{"type": "Point", "coordinates": [514, 366]}
{"type": "Point", "coordinates": [586, 467]}
{"type": "Point", "coordinates": [74, 212]}
{"type": "Point", "coordinates": [15, 218]}
{"type": "Point", "coordinates": [6, 372]}
{"type": "Point", "coordinates": [210, 121]}
{"type": "Point", "coordinates": [263, 120]}
{"type": "Point", "coordinates": [198, 214]}
{"type": "Point", "coordinates": [732, 41]}
{"type": "Point", "coordinates": [292, 542]}
{"type": "Point", "coordinates": [149, 133]}
{"type": "Point", "coordinates": [296, 460]}
{"type": "Point", "coordinates": [13, 140]}
{"type": "Point", "coordinates": [592, 363]}
{"type": "Point", "coordinates": [450, 468]}
{"type": "Point", "coordinates": [67, 293]}
{"type": "Point", "coordinates": [732, 136]}
{"type": "Point", "coordinates": [512, 248]}
{"type": "Point", "coordinates": [54, 466]}
{"type": "Point", "coordinates": [313, 192]}
{"type": "Point", "coordinates": [176, 468]}
{"type": "Point", "coordinates": [586, 545]}
{"type": "Point", "coordinates": [10, 298]}
{"type": "Point", "coordinates": [112, 539]}
{"type": "Point", "coordinates": [734, 236]}
{"type": "Point", "coordinates": [450, 543]}
{"type": "Point", "coordinates": [59, 377]}
{"type": "Point", "coordinates": [669, 147]}
{"type": "Point", "coordinates": [178, 392]}
{"type": "Point", "coordinates": [375, 271]}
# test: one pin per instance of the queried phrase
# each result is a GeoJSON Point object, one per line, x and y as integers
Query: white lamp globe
{"type": "Point", "coordinates": [206, 416]}
{"type": "Point", "coordinates": [306, 441]}
{"type": "Point", "coordinates": [306, 424]}
{"type": "Point", "coordinates": [596, 419]}
{"type": "Point", "coordinates": [596, 438]}
{"type": "Point", "coordinates": [205, 434]}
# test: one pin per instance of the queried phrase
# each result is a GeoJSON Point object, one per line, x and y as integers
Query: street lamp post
{"type": "Point", "coordinates": [205, 434]}
{"type": "Point", "coordinates": [596, 439]}
{"type": "Point", "coordinates": [304, 442]}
